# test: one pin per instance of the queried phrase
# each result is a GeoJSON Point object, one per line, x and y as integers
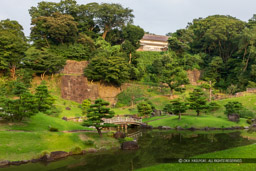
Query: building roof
{"type": "Point", "coordinates": [155, 37]}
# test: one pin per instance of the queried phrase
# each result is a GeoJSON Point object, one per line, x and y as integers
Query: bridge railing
{"type": "Point", "coordinates": [122, 119]}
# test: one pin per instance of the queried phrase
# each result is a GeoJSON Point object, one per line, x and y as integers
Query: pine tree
{"type": "Point", "coordinates": [178, 107]}
{"type": "Point", "coordinates": [197, 100]}
{"type": "Point", "coordinates": [44, 99]}
{"type": "Point", "coordinates": [85, 106]}
{"type": "Point", "coordinates": [96, 113]}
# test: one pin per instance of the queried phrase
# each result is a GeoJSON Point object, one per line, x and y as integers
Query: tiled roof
{"type": "Point", "coordinates": [155, 37]}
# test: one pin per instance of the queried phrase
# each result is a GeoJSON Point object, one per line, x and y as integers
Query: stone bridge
{"type": "Point", "coordinates": [123, 121]}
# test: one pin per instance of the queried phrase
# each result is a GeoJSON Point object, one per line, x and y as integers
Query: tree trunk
{"type": "Point", "coordinates": [13, 71]}
{"type": "Point", "coordinates": [133, 98]}
{"type": "Point", "coordinates": [171, 94]}
{"type": "Point", "coordinates": [47, 41]}
{"type": "Point", "coordinates": [210, 91]}
{"type": "Point", "coordinates": [198, 112]}
{"type": "Point", "coordinates": [179, 115]}
{"type": "Point", "coordinates": [99, 132]}
{"type": "Point", "coordinates": [106, 29]}
{"type": "Point", "coordinates": [42, 75]}
{"type": "Point", "coordinates": [130, 56]}
{"type": "Point", "coordinates": [246, 65]}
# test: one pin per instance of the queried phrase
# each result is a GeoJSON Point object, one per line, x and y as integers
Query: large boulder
{"type": "Point", "coordinates": [145, 126]}
{"type": "Point", "coordinates": [68, 108]}
{"type": "Point", "coordinates": [4, 163]}
{"type": "Point", "coordinates": [129, 145]}
{"type": "Point", "coordinates": [164, 127]}
{"type": "Point", "coordinates": [233, 117]}
{"type": "Point", "coordinates": [65, 118]}
{"type": "Point", "coordinates": [57, 155]}
{"type": "Point", "coordinates": [119, 134]}
{"type": "Point", "coordinates": [156, 112]}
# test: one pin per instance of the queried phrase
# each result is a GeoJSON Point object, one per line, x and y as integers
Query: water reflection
{"type": "Point", "coordinates": [155, 147]}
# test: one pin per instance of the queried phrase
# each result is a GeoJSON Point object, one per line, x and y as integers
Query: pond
{"type": "Point", "coordinates": [155, 147]}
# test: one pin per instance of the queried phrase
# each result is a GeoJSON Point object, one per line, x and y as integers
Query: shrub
{"type": "Point", "coordinates": [54, 111]}
{"type": "Point", "coordinates": [76, 150]}
{"type": "Point", "coordinates": [213, 106]}
{"type": "Point", "coordinates": [53, 129]}
{"type": "Point", "coordinates": [85, 106]}
{"type": "Point", "coordinates": [144, 109]}
{"type": "Point", "coordinates": [249, 121]}
{"type": "Point", "coordinates": [233, 108]}
{"type": "Point", "coordinates": [89, 143]}
{"type": "Point", "coordinates": [245, 113]}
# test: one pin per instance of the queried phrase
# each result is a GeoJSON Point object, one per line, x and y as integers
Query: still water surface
{"type": "Point", "coordinates": [155, 147]}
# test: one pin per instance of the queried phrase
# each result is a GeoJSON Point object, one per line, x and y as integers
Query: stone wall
{"type": "Point", "coordinates": [76, 87]}
{"type": "Point", "coordinates": [194, 76]}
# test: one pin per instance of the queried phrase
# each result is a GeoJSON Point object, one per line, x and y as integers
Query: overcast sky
{"type": "Point", "coordinates": [154, 16]}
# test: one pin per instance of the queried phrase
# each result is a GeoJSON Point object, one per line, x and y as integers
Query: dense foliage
{"type": "Point", "coordinates": [197, 101]}
{"type": "Point", "coordinates": [111, 70]}
{"type": "Point", "coordinates": [96, 113]}
{"type": "Point", "coordinates": [144, 109]}
{"type": "Point", "coordinates": [223, 47]}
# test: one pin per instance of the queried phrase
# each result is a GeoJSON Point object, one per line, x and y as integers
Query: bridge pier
{"type": "Point", "coordinates": [126, 126]}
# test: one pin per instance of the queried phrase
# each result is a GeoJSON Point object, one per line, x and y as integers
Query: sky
{"type": "Point", "coordinates": [154, 16]}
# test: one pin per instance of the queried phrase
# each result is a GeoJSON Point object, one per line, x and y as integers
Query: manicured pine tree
{"type": "Point", "coordinates": [178, 107]}
{"type": "Point", "coordinates": [197, 100]}
{"type": "Point", "coordinates": [96, 113]}
{"type": "Point", "coordinates": [144, 108]}
{"type": "Point", "coordinates": [85, 106]}
{"type": "Point", "coordinates": [43, 98]}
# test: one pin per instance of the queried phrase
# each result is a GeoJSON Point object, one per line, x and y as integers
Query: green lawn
{"type": "Point", "coordinates": [62, 104]}
{"type": "Point", "coordinates": [28, 145]}
{"type": "Point", "coordinates": [198, 122]}
{"type": "Point", "coordinates": [42, 122]}
{"type": "Point", "coordinates": [248, 101]}
{"type": "Point", "coordinates": [125, 111]}
{"type": "Point", "coordinates": [238, 152]}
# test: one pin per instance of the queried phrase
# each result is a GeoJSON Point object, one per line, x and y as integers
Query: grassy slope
{"type": "Point", "coordinates": [239, 152]}
{"type": "Point", "coordinates": [248, 101]}
{"type": "Point", "coordinates": [198, 122]}
{"type": "Point", "coordinates": [26, 145]}
{"type": "Point", "coordinates": [42, 122]}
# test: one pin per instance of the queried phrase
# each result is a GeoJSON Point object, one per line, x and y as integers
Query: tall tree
{"type": "Point", "coordinates": [174, 77]}
{"type": "Point", "coordinates": [144, 109]}
{"type": "Point", "coordinates": [43, 61]}
{"type": "Point", "coordinates": [197, 100]}
{"type": "Point", "coordinates": [96, 113]}
{"type": "Point", "coordinates": [132, 35]}
{"type": "Point", "coordinates": [43, 98]}
{"type": "Point", "coordinates": [113, 70]}
{"type": "Point", "coordinates": [13, 45]}
{"type": "Point", "coordinates": [110, 16]}
{"type": "Point", "coordinates": [56, 29]}
{"type": "Point", "coordinates": [178, 107]}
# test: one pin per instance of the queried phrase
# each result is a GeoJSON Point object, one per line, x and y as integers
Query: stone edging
{"type": "Point", "coordinates": [193, 128]}
{"type": "Point", "coordinates": [53, 156]}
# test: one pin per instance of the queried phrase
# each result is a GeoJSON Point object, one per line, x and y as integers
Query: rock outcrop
{"type": "Point", "coordinates": [76, 87]}
{"type": "Point", "coordinates": [194, 76]}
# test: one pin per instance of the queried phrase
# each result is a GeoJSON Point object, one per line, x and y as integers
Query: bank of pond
{"type": "Point", "coordinates": [157, 149]}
